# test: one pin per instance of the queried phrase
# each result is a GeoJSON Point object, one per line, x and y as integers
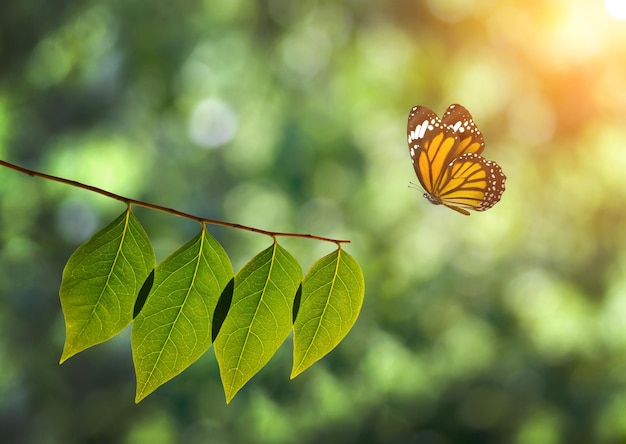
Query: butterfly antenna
{"type": "Point", "coordinates": [416, 187]}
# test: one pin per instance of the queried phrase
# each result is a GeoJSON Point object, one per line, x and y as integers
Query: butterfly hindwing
{"type": "Point", "coordinates": [472, 182]}
{"type": "Point", "coordinates": [446, 157]}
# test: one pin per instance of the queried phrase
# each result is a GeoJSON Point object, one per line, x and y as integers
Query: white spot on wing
{"type": "Point", "coordinates": [422, 129]}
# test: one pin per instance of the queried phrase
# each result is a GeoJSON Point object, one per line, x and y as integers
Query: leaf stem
{"type": "Point", "coordinates": [139, 203]}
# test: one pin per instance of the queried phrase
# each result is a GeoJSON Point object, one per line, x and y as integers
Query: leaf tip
{"type": "Point", "coordinates": [68, 352]}
{"type": "Point", "coordinates": [140, 396]}
{"type": "Point", "coordinates": [230, 395]}
{"type": "Point", "coordinates": [297, 369]}
{"type": "Point", "coordinates": [232, 388]}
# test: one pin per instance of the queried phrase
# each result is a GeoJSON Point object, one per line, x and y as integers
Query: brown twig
{"type": "Point", "coordinates": [152, 206]}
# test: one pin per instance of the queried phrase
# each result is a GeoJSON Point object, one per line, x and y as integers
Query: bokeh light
{"type": "Point", "coordinates": [212, 123]}
{"type": "Point", "coordinates": [505, 326]}
{"type": "Point", "coordinates": [616, 8]}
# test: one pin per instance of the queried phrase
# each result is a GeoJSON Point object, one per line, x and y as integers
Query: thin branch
{"type": "Point", "coordinates": [156, 207]}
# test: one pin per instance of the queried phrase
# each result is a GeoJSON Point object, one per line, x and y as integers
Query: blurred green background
{"type": "Point", "coordinates": [503, 327]}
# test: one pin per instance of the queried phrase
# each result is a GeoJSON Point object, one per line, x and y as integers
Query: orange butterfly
{"type": "Point", "coordinates": [446, 157]}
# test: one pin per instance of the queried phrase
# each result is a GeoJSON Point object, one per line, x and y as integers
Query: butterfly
{"type": "Point", "coordinates": [446, 157]}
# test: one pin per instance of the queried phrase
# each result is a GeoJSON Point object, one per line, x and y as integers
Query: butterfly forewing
{"type": "Point", "coordinates": [446, 157]}
{"type": "Point", "coordinates": [470, 138]}
{"type": "Point", "coordinates": [430, 145]}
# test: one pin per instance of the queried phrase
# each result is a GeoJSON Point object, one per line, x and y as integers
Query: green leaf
{"type": "Point", "coordinates": [101, 281]}
{"type": "Point", "coordinates": [173, 329]}
{"type": "Point", "coordinates": [332, 295]}
{"type": "Point", "coordinates": [259, 319]}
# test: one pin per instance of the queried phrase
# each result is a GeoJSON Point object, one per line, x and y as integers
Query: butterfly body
{"type": "Point", "coordinates": [446, 156]}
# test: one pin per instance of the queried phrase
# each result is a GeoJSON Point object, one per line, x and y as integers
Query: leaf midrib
{"type": "Point", "coordinates": [321, 318]}
{"type": "Point", "coordinates": [236, 370]}
{"type": "Point", "coordinates": [173, 324]}
{"type": "Point", "coordinates": [109, 274]}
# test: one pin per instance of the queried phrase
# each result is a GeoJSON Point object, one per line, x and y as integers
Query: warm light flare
{"type": "Point", "coordinates": [616, 8]}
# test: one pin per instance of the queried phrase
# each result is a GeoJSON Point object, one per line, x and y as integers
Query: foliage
{"type": "Point", "coordinates": [328, 308]}
{"type": "Point", "coordinates": [260, 317]}
{"type": "Point", "coordinates": [175, 312]}
{"type": "Point", "coordinates": [101, 281]}
{"type": "Point", "coordinates": [506, 326]}
{"type": "Point", "coordinates": [174, 327]}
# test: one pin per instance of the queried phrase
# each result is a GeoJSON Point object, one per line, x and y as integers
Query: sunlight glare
{"type": "Point", "coordinates": [616, 8]}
